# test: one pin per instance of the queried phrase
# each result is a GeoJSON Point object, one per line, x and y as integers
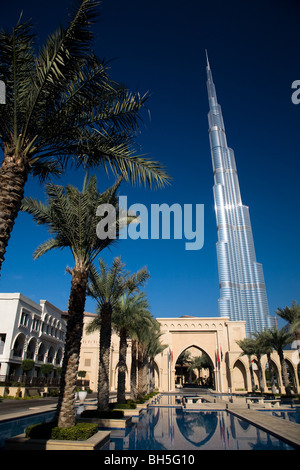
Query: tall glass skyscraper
{"type": "Point", "coordinates": [242, 286]}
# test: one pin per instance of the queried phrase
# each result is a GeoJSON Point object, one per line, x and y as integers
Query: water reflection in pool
{"type": "Point", "coordinates": [170, 428]}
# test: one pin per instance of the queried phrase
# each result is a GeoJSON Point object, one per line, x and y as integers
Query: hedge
{"type": "Point", "coordinates": [109, 414]}
{"type": "Point", "coordinates": [129, 405]}
{"type": "Point", "coordinates": [79, 432]}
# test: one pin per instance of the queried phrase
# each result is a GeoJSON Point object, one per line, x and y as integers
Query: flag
{"type": "Point", "coordinates": [218, 359]}
{"type": "Point", "coordinates": [170, 354]}
{"type": "Point", "coordinates": [221, 354]}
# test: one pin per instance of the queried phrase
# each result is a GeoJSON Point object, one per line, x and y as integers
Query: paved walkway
{"type": "Point", "coordinates": [279, 427]}
{"type": "Point", "coordinates": [11, 409]}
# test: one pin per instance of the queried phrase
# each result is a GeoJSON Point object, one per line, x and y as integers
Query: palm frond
{"type": "Point", "coordinates": [39, 211]}
{"type": "Point", "coordinates": [16, 69]}
{"type": "Point", "coordinates": [60, 59]}
{"type": "Point", "coordinates": [45, 247]}
{"type": "Point", "coordinates": [137, 280]}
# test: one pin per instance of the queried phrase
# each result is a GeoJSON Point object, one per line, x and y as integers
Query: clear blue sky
{"type": "Point", "coordinates": [159, 45]}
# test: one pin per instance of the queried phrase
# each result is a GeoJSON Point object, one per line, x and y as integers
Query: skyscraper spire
{"type": "Point", "coordinates": [242, 287]}
{"type": "Point", "coordinates": [207, 61]}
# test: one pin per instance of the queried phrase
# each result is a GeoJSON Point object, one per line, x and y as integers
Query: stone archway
{"type": "Point", "coordinates": [214, 336]}
{"type": "Point", "coordinates": [291, 375]}
{"type": "Point", "coordinates": [239, 377]}
{"type": "Point", "coordinates": [187, 375]}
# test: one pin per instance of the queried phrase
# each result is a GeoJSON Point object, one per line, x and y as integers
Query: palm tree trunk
{"type": "Point", "coordinates": [141, 372]}
{"type": "Point", "coordinates": [285, 376]}
{"type": "Point", "coordinates": [104, 359]}
{"type": "Point", "coordinates": [66, 403]}
{"type": "Point", "coordinates": [251, 374]}
{"type": "Point", "coordinates": [271, 371]}
{"type": "Point", "coordinates": [260, 374]}
{"type": "Point", "coordinates": [13, 176]}
{"type": "Point", "coordinates": [152, 375]}
{"type": "Point", "coordinates": [145, 373]}
{"type": "Point", "coordinates": [297, 336]}
{"type": "Point", "coordinates": [133, 369]}
{"type": "Point", "coordinates": [121, 398]}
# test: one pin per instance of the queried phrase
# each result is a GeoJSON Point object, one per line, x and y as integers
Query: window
{"type": "Point", "coordinates": [87, 363]}
{"type": "Point", "coordinates": [24, 318]}
{"type": "Point", "coordinates": [36, 324]}
{"type": "Point", "coordinates": [2, 342]}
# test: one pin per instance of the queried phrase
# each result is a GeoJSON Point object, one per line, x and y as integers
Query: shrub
{"type": "Point", "coordinates": [79, 432]}
{"type": "Point", "coordinates": [40, 430]}
{"type": "Point", "coordinates": [129, 405]}
{"type": "Point", "coordinates": [110, 414]}
{"type": "Point", "coordinates": [53, 392]}
{"type": "Point", "coordinates": [140, 401]}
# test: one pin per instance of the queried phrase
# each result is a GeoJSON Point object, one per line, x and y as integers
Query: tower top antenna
{"type": "Point", "coordinates": [207, 59]}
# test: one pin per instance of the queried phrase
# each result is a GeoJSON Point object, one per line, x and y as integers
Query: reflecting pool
{"type": "Point", "coordinates": [171, 428]}
{"type": "Point", "coordinates": [291, 415]}
{"type": "Point", "coordinates": [13, 427]}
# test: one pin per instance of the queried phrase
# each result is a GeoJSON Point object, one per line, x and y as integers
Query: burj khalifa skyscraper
{"type": "Point", "coordinates": [242, 286]}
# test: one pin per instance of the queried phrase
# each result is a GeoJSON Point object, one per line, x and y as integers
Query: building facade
{"type": "Point", "coordinates": [29, 331]}
{"type": "Point", "coordinates": [214, 337]}
{"type": "Point", "coordinates": [241, 279]}
{"type": "Point", "coordinates": [37, 331]}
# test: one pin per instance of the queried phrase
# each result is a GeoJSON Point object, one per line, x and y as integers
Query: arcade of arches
{"type": "Point", "coordinates": [188, 338]}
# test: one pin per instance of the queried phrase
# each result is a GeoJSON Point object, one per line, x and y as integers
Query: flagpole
{"type": "Point", "coordinates": [171, 360]}
{"type": "Point", "coordinates": [217, 367]}
{"type": "Point", "coordinates": [169, 370]}
{"type": "Point", "coordinates": [220, 365]}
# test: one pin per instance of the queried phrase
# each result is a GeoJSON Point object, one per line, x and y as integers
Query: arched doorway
{"type": "Point", "coordinates": [272, 377]}
{"type": "Point", "coordinates": [194, 368]}
{"type": "Point", "coordinates": [239, 377]}
{"type": "Point", "coordinates": [291, 375]}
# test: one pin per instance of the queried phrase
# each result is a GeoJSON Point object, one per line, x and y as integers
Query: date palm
{"type": "Point", "coordinates": [107, 287]}
{"type": "Point", "coordinates": [70, 216]}
{"type": "Point", "coordinates": [263, 339]}
{"type": "Point", "coordinates": [260, 349]}
{"type": "Point", "coordinates": [145, 336]}
{"type": "Point", "coordinates": [199, 362]}
{"type": "Point", "coordinates": [292, 316]}
{"type": "Point", "coordinates": [155, 347]}
{"type": "Point", "coordinates": [247, 346]}
{"type": "Point", "coordinates": [61, 107]}
{"type": "Point", "coordinates": [278, 339]}
{"type": "Point", "coordinates": [183, 360]}
{"type": "Point", "coordinates": [131, 312]}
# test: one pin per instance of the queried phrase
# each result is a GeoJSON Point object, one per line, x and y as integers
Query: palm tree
{"type": "Point", "coordinates": [247, 346]}
{"type": "Point", "coordinates": [292, 316]}
{"type": "Point", "coordinates": [133, 368]}
{"type": "Point", "coordinates": [70, 216]}
{"type": "Point", "coordinates": [145, 338]}
{"type": "Point", "coordinates": [260, 350]}
{"type": "Point", "coordinates": [132, 310]}
{"type": "Point", "coordinates": [199, 362]}
{"type": "Point", "coordinates": [278, 339]}
{"type": "Point", "coordinates": [183, 359]}
{"type": "Point", "coordinates": [107, 287]}
{"type": "Point", "coordinates": [262, 339]}
{"type": "Point", "coordinates": [140, 329]}
{"type": "Point", "coordinates": [155, 347]}
{"type": "Point", "coordinates": [62, 107]}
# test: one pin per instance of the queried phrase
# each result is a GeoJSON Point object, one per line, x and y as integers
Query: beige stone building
{"type": "Point", "coordinates": [214, 336]}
